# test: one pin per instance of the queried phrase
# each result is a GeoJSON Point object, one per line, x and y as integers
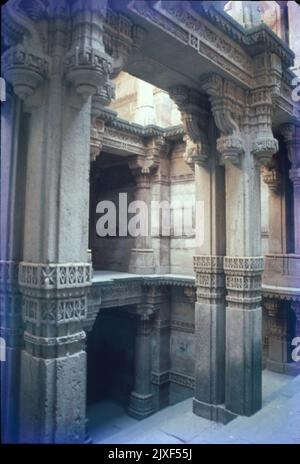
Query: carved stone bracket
{"type": "Point", "coordinates": [147, 164]}
{"type": "Point", "coordinates": [227, 101]}
{"type": "Point", "coordinates": [97, 134]}
{"type": "Point", "coordinates": [271, 177]}
{"type": "Point", "coordinates": [194, 115]}
{"type": "Point", "coordinates": [237, 112]}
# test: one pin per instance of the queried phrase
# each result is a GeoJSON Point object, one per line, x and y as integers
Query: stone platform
{"type": "Point", "coordinates": [277, 422]}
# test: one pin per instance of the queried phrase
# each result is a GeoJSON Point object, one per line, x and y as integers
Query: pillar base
{"type": "Point", "coordinates": [217, 413]}
{"type": "Point", "coordinates": [291, 368]}
{"type": "Point", "coordinates": [141, 406]}
{"type": "Point", "coordinates": [53, 399]}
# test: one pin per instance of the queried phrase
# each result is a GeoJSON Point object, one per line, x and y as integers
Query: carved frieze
{"type": "Point", "coordinates": [210, 279]}
{"type": "Point", "coordinates": [243, 281]}
{"type": "Point", "coordinates": [55, 276]}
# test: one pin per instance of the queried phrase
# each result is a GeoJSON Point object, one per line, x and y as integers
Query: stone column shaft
{"type": "Point", "coordinates": [161, 347]}
{"type": "Point", "coordinates": [246, 142]}
{"type": "Point", "coordinates": [210, 283]}
{"type": "Point", "coordinates": [243, 268]}
{"type": "Point", "coordinates": [277, 212]}
{"type": "Point", "coordinates": [200, 154]}
{"type": "Point", "coordinates": [55, 75]}
{"type": "Point", "coordinates": [210, 337]}
{"type": "Point", "coordinates": [13, 162]}
{"type": "Point", "coordinates": [278, 334]}
{"type": "Point", "coordinates": [141, 399]}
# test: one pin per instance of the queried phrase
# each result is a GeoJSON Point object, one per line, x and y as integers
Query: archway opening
{"type": "Point", "coordinates": [110, 369]}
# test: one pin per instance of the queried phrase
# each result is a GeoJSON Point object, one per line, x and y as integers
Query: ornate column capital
{"type": "Point", "coordinates": [264, 145]}
{"type": "Point", "coordinates": [25, 63]}
{"type": "Point", "coordinates": [271, 177]}
{"type": "Point", "coordinates": [87, 65]}
{"type": "Point", "coordinates": [272, 306]}
{"type": "Point", "coordinates": [194, 115]}
{"type": "Point", "coordinates": [238, 112]}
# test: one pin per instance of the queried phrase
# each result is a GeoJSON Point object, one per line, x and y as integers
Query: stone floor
{"type": "Point", "coordinates": [277, 422]}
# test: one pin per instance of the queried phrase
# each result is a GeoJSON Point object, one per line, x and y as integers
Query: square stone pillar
{"type": "Point", "coordinates": [243, 267]}
{"type": "Point", "coordinates": [141, 398]}
{"type": "Point", "coordinates": [246, 143]}
{"type": "Point", "coordinates": [143, 167]}
{"type": "Point", "coordinates": [142, 255]}
{"type": "Point", "coordinates": [161, 347]}
{"type": "Point", "coordinates": [12, 185]}
{"type": "Point", "coordinates": [277, 210]}
{"type": "Point", "coordinates": [55, 70]}
{"type": "Point", "coordinates": [200, 154]}
{"type": "Point", "coordinates": [210, 338]}
{"type": "Point", "coordinates": [53, 372]}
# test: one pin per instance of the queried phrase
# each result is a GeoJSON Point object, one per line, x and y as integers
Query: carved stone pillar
{"type": "Point", "coordinates": [210, 338]}
{"type": "Point", "coordinates": [142, 167]}
{"type": "Point", "coordinates": [142, 255]}
{"type": "Point", "coordinates": [201, 155]}
{"type": "Point", "coordinates": [160, 299]}
{"type": "Point", "coordinates": [246, 141]}
{"type": "Point", "coordinates": [53, 376]}
{"type": "Point", "coordinates": [11, 334]}
{"type": "Point", "coordinates": [278, 334]}
{"type": "Point", "coordinates": [12, 186]}
{"type": "Point", "coordinates": [291, 134]}
{"type": "Point", "coordinates": [141, 399]}
{"type": "Point", "coordinates": [277, 223]}
{"type": "Point", "coordinates": [55, 274]}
